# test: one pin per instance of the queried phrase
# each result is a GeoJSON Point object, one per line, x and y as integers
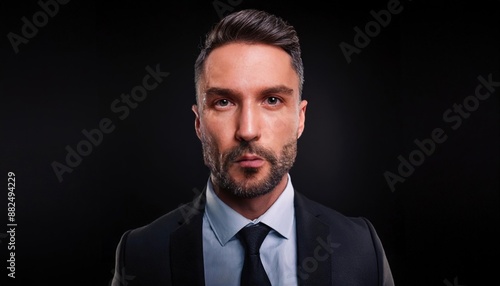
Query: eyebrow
{"type": "Point", "coordinates": [279, 89]}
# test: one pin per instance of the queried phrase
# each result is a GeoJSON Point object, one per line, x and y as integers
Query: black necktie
{"type": "Point", "coordinates": [253, 272]}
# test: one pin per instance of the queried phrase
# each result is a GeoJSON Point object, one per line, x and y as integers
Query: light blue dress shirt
{"type": "Point", "coordinates": [223, 254]}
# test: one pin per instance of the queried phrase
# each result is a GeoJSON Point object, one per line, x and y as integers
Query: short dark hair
{"type": "Point", "coordinates": [252, 26]}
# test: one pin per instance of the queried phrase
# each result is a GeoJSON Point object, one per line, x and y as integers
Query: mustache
{"type": "Point", "coordinates": [249, 148]}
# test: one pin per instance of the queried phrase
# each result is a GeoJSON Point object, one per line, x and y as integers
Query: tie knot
{"type": "Point", "coordinates": [252, 237]}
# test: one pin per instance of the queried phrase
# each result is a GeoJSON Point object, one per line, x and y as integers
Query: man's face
{"type": "Point", "coordinates": [249, 117]}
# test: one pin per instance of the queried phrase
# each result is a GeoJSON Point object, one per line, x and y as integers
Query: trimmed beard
{"type": "Point", "coordinates": [219, 167]}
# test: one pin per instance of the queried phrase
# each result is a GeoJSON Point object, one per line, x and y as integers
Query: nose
{"type": "Point", "coordinates": [248, 124]}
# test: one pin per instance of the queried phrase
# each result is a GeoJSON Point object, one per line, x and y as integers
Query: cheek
{"type": "Point", "coordinates": [215, 133]}
{"type": "Point", "coordinates": [282, 128]}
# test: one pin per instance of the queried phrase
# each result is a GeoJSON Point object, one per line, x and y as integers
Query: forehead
{"type": "Point", "coordinates": [246, 67]}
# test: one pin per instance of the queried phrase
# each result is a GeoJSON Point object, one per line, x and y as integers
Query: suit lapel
{"type": "Point", "coordinates": [314, 259]}
{"type": "Point", "coordinates": [186, 245]}
{"type": "Point", "coordinates": [314, 251]}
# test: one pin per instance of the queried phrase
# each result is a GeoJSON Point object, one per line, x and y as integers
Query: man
{"type": "Point", "coordinates": [249, 226]}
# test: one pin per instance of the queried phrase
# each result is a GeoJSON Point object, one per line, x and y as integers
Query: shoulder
{"type": "Point", "coordinates": [143, 252]}
{"type": "Point", "coordinates": [328, 214]}
{"type": "Point", "coordinates": [348, 228]}
{"type": "Point", "coordinates": [353, 239]}
{"type": "Point", "coordinates": [159, 230]}
{"type": "Point", "coordinates": [155, 236]}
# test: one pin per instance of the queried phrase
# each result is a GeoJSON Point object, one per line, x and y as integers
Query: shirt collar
{"type": "Point", "coordinates": [226, 222]}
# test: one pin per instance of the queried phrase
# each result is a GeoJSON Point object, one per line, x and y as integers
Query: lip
{"type": "Point", "coordinates": [250, 161]}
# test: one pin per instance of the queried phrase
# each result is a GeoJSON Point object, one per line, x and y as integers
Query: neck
{"type": "Point", "coordinates": [254, 207]}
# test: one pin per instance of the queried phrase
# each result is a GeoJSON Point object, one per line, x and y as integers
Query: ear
{"type": "Point", "coordinates": [194, 108]}
{"type": "Point", "coordinates": [302, 117]}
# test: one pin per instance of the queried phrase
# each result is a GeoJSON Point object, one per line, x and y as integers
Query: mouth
{"type": "Point", "coordinates": [250, 161]}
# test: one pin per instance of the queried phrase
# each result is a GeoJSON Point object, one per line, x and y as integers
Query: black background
{"type": "Point", "coordinates": [439, 227]}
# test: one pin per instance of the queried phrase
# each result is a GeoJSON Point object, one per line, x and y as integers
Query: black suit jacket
{"type": "Point", "coordinates": [332, 249]}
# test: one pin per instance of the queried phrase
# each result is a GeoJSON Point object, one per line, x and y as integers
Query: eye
{"type": "Point", "coordinates": [222, 102]}
{"type": "Point", "coordinates": [272, 100]}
